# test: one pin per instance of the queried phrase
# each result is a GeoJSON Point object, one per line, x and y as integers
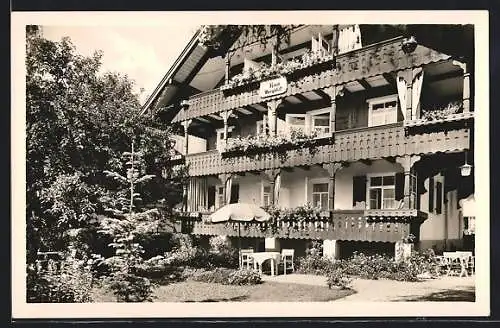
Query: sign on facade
{"type": "Point", "coordinates": [273, 87]}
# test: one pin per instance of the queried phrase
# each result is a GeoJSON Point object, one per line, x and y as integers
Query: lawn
{"type": "Point", "coordinates": [192, 291]}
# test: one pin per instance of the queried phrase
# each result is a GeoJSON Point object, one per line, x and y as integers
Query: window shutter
{"type": "Point", "coordinates": [400, 185]}
{"type": "Point", "coordinates": [431, 194]}
{"type": "Point", "coordinates": [358, 189]}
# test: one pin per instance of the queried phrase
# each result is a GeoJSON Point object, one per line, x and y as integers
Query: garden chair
{"type": "Point", "coordinates": [471, 265]}
{"type": "Point", "coordinates": [287, 257]}
{"type": "Point", "coordinates": [246, 259]}
{"type": "Point", "coordinates": [441, 265]}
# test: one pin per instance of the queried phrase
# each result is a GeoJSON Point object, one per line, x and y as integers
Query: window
{"type": "Point", "coordinates": [382, 192]}
{"type": "Point", "coordinates": [296, 122]}
{"type": "Point", "coordinates": [220, 136]}
{"type": "Point", "coordinates": [262, 128]}
{"type": "Point", "coordinates": [382, 110]}
{"type": "Point", "coordinates": [320, 195]}
{"type": "Point", "coordinates": [321, 124]}
{"type": "Point", "coordinates": [220, 196]}
{"type": "Point", "coordinates": [266, 195]}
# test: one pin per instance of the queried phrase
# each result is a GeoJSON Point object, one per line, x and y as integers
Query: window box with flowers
{"type": "Point", "coordinates": [280, 144]}
{"type": "Point", "coordinates": [287, 67]}
{"type": "Point", "coordinates": [293, 217]}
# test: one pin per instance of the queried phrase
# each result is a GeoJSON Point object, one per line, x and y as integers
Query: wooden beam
{"type": "Point", "coordinates": [443, 76]}
{"type": "Point", "coordinates": [389, 78]}
{"type": "Point", "coordinates": [301, 98]}
{"type": "Point", "coordinates": [366, 161]}
{"type": "Point", "coordinates": [322, 94]}
{"type": "Point", "coordinates": [364, 84]}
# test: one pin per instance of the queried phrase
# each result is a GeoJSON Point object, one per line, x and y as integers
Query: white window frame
{"type": "Point", "coordinates": [381, 100]}
{"type": "Point", "coordinates": [219, 202]}
{"type": "Point", "coordinates": [288, 125]}
{"type": "Point", "coordinates": [219, 139]}
{"type": "Point", "coordinates": [310, 117]}
{"type": "Point", "coordinates": [315, 181]}
{"type": "Point", "coordinates": [263, 194]}
{"type": "Point", "coordinates": [369, 176]}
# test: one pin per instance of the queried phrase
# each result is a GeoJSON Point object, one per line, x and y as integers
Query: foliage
{"type": "Point", "coordinates": [280, 143]}
{"type": "Point", "coordinates": [442, 112]}
{"type": "Point", "coordinates": [79, 121]}
{"type": "Point", "coordinates": [314, 262]}
{"type": "Point", "coordinates": [228, 276]}
{"type": "Point", "coordinates": [128, 267]}
{"type": "Point", "coordinates": [338, 278]}
{"type": "Point", "coordinates": [66, 281]}
{"type": "Point", "coordinates": [222, 253]}
{"type": "Point", "coordinates": [296, 215]}
{"type": "Point", "coordinates": [285, 67]}
{"type": "Point", "coordinates": [409, 239]}
{"type": "Point", "coordinates": [369, 267]}
{"type": "Point", "coordinates": [244, 277]}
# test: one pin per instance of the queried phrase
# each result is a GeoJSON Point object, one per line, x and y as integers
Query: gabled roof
{"type": "Point", "coordinates": [168, 80]}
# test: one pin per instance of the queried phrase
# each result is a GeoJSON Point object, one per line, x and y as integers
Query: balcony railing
{"type": "Point", "coordinates": [376, 59]}
{"type": "Point", "coordinates": [355, 225]}
{"type": "Point", "coordinates": [348, 145]}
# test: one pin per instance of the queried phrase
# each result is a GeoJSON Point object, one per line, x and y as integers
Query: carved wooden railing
{"type": "Point", "coordinates": [356, 225]}
{"type": "Point", "coordinates": [383, 57]}
{"type": "Point", "coordinates": [349, 145]}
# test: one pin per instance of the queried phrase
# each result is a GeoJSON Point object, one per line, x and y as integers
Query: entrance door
{"type": "Point", "coordinates": [235, 193]}
{"type": "Point", "coordinates": [211, 197]}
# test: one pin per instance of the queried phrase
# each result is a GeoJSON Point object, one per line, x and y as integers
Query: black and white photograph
{"type": "Point", "coordinates": [241, 168]}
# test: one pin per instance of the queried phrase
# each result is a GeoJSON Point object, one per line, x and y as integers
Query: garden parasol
{"type": "Point", "coordinates": [239, 212]}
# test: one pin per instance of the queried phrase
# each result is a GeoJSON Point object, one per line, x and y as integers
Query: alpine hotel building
{"type": "Point", "coordinates": [370, 124]}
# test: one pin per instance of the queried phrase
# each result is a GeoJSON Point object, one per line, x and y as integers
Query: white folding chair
{"type": "Point", "coordinates": [287, 256]}
{"type": "Point", "coordinates": [246, 260]}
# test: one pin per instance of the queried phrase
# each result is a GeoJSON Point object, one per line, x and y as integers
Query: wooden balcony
{"type": "Point", "coordinates": [348, 145]}
{"type": "Point", "coordinates": [354, 225]}
{"type": "Point", "coordinates": [380, 58]}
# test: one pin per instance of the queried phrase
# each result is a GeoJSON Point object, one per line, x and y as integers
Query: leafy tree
{"type": "Point", "coordinates": [78, 123]}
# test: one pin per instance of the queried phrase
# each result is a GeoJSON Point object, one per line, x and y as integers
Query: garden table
{"type": "Point", "coordinates": [260, 257]}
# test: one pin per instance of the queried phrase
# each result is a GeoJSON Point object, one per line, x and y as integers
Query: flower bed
{"type": "Point", "coordinates": [225, 276]}
{"type": "Point", "coordinates": [372, 267]}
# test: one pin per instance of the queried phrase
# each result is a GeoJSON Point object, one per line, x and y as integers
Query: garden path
{"type": "Point", "coordinates": [442, 289]}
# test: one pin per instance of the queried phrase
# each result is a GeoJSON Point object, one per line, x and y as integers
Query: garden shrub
{"type": "Point", "coordinates": [338, 278]}
{"type": "Point", "coordinates": [67, 281]}
{"type": "Point", "coordinates": [218, 275]}
{"type": "Point", "coordinates": [314, 262]}
{"type": "Point", "coordinates": [244, 277]}
{"type": "Point", "coordinates": [371, 267]}
{"type": "Point", "coordinates": [227, 276]}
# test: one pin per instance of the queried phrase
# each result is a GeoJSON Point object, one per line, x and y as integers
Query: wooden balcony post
{"type": "Point", "coordinates": [272, 107]}
{"type": "Point", "coordinates": [333, 91]}
{"type": "Point", "coordinates": [404, 81]}
{"type": "Point", "coordinates": [186, 125]}
{"type": "Point", "coordinates": [407, 162]}
{"type": "Point", "coordinates": [466, 86]}
{"type": "Point", "coordinates": [225, 116]}
{"type": "Point", "coordinates": [271, 175]}
{"type": "Point", "coordinates": [224, 178]}
{"type": "Point", "coordinates": [332, 169]}
{"type": "Point", "coordinates": [227, 60]}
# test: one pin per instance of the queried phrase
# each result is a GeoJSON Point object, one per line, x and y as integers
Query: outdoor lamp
{"type": "Point", "coordinates": [409, 44]}
{"type": "Point", "coordinates": [466, 168]}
